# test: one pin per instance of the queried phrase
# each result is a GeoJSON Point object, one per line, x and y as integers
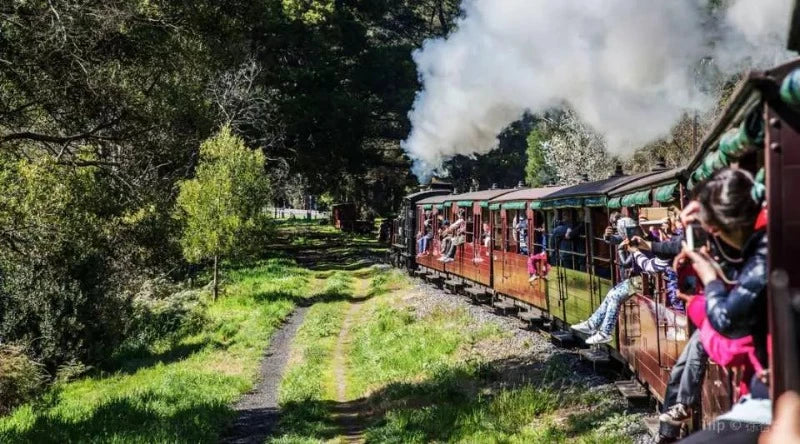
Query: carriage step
{"type": "Point", "coordinates": [632, 390]}
{"type": "Point", "coordinates": [477, 295]}
{"type": "Point", "coordinates": [595, 355]}
{"type": "Point", "coordinates": [420, 272]}
{"type": "Point", "coordinates": [505, 306]}
{"type": "Point", "coordinates": [530, 316]}
{"type": "Point", "coordinates": [454, 283]}
{"type": "Point", "coordinates": [562, 337]}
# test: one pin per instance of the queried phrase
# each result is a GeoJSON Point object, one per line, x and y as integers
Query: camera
{"type": "Point", "coordinates": [696, 236]}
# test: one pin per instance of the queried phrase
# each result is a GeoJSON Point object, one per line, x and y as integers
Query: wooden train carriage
{"type": "Point", "coordinates": [651, 333]}
{"type": "Point", "coordinates": [582, 263]}
{"type": "Point", "coordinates": [344, 215]}
{"type": "Point", "coordinates": [760, 128]}
{"type": "Point", "coordinates": [472, 258]}
{"type": "Point", "coordinates": [435, 211]}
{"type": "Point", "coordinates": [510, 253]}
{"type": "Point", "coordinates": [404, 227]}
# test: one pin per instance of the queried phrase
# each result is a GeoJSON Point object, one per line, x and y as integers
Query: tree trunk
{"type": "Point", "coordinates": [216, 276]}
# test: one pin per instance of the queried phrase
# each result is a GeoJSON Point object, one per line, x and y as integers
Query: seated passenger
{"type": "Point", "coordinates": [456, 235]}
{"type": "Point", "coordinates": [538, 266]}
{"type": "Point", "coordinates": [602, 322]}
{"type": "Point", "coordinates": [444, 236]}
{"type": "Point", "coordinates": [423, 238]}
{"type": "Point", "coordinates": [728, 207]}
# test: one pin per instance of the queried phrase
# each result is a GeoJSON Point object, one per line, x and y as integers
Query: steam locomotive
{"type": "Point", "coordinates": [758, 131]}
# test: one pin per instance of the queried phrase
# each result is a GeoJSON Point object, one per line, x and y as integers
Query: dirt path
{"type": "Point", "coordinates": [258, 410]}
{"type": "Point", "coordinates": [348, 413]}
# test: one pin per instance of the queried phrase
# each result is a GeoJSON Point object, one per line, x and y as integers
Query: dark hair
{"type": "Point", "coordinates": [726, 200]}
{"type": "Point", "coordinates": [614, 217]}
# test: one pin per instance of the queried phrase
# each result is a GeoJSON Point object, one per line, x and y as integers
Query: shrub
{"type": "Point", "coordinates": [20, 377]}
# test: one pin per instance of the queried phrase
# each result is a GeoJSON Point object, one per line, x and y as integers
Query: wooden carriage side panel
{"type": "Point", "coordinates": [648, 362]}
{"type": "Point", "coordinates": [783, 182]}
{"type": "Point", "coordinates": [716, 396]}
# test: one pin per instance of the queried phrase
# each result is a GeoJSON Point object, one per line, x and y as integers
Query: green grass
{"type": "Point", "coordinates": [423, 387]}
{"type": "Point", "coordinates": [308, 381]}
{"type": "Point", "coordinates": [183, 393]}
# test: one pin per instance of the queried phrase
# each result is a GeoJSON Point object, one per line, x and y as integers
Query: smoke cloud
{"type": "Point", "coordinates": [629, 68]}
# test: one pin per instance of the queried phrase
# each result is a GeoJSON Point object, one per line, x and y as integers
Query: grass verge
{"type": "Point", "coordinates": [421, 387]}
{"type": "Point", "coordinates": [180, 390]}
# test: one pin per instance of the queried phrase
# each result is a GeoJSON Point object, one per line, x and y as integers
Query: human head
{"type": "Point", "coordinates": [614, 217]}
{"type": "Point", "coordinates": [726, 205]}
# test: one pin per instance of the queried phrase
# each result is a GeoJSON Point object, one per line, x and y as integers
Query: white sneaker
{"type": "Point", "coordinates": [599, 338]}
{"type": "Point", "coordinates": [584, 327]}
{"type": "Point", "coordinates": [676, 415]}
{"type": "Point", "coordinates": [533, 278]}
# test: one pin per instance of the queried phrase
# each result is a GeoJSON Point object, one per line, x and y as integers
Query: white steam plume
{"type": "Point", "coordinates": [627, 67]}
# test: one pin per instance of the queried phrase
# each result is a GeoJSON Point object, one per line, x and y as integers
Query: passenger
{"type": "Point", "coordinates": [538, 266]}
{"type": "Point", "coordinates": [457, 234]}
{"type": "Point", "coordinates": [486, 236]}
{"type": "Point", "coordinates": [603, 320]}
{"type": "Point", "coordinates": [521, 228]}
{"type": "Point", "coordinates": [424, 236]}
{"type": "Point", "coordinates": [728, 208]}
{"type": "Point", "coordinates": [445, 237]}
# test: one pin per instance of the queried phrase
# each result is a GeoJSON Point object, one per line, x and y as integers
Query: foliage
{"type": "Point", "coordinates": [225, 200]}
{"type": "Point", "coordinates": [175, 390]}
{"type": "Point", "coordinates": [20, 378]}
{"type": "Point", "coordinates": [58, 266]}
{"type": "Point", "coordinates": [537, 172]}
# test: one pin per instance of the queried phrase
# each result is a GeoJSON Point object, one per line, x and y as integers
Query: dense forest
{"type": "Point", "coordinates": [103, 109]}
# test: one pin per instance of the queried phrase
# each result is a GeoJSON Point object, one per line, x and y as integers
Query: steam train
{"type": "Point", "coordinates": [758, 131]}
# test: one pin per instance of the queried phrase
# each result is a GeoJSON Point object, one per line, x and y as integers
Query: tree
{"type": "Point", "coordinates": [537, 172]}
{"type": "Point", "coordinates": [223, 201]}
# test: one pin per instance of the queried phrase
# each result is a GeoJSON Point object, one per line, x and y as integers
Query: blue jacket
{"type": "Point", "coordinates": [742, 310]}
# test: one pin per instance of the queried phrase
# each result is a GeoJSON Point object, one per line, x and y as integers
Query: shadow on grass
{"type": "Point", "coordinates": [131, 419]}
{"type": "Point", "coordinates": [450, 404]}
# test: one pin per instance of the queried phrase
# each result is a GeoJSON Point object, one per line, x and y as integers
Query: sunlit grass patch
{"type": "Point", "coordinates": [179, 389]}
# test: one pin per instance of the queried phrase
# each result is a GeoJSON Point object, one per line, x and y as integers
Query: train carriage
{"type": "Point", "coordinates": [582, 262]}
{"type": "Point", "coordinates": [405, 226]}
{"type": "Point", "coordinates": [510, 253]}
{"type": "Point", "coordinates": [431, 209]}
{"type": "Point", "coordinates": [651, 333]}
{"type": "Point", "coordinates": [472, 259]}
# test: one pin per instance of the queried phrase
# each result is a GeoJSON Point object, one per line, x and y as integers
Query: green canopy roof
{"type": "Point", "coordinates": [464, 203]}
{"type": "Point", "coordinates": [440, 206]}
{"type": "Point", "coordinates": [595, 201]}
{"type": "Point", "coordinates": [484, 204]}
{"type": "Point", "coordinates": [427, 207]}
{"type": "Point", "coordinates": [494, 206]}
{"type": "Point", "coordinates": [514, 205]}
{"type": "Point", "coordinates": [637, 198]}
{"type": "Point", "coordinates": [615, 202]}
{"type": "Point", "coordinates": [567, 202]}
{"type": "Point", "coordinates": [536, 205]}
{"type": "Point", "coordinates": [666, 193]}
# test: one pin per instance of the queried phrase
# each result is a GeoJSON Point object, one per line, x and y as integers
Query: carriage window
{"type": "Point", "coordinates": [498, 232]}
{"type": "Point", "coordinates": [538, 232]}
{"type": "Point", "coordinates": [601, 251]}
{"type": "Point", "coordinates": [470, 230]}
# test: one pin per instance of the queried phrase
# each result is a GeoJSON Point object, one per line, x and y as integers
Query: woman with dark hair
{"type": "Point", "coordinates": [727, 207]}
